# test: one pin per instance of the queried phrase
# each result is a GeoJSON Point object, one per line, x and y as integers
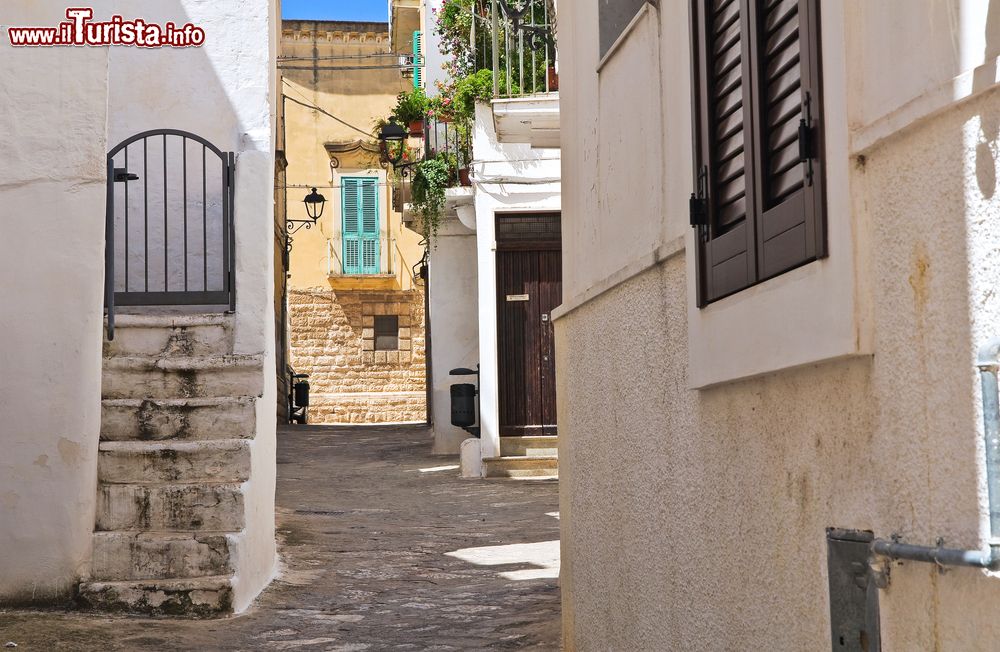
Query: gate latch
{"type": "Point", "coordinates": [122, 175]}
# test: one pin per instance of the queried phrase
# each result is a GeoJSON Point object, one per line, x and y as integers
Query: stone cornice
{"type": "Point", "coordinates": [335, 31]}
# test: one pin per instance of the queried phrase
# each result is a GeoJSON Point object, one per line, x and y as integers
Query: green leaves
{"type": "Point", "coordinates": [430, 181]}
{"type": "Point", "coordinates": [411, 106]}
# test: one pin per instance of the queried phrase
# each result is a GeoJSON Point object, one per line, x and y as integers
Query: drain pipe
{"type": "Point", "coordinates": [988, 363]}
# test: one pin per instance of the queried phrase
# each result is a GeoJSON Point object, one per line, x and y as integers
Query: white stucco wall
{"type": "Point", "coordinates": [434, 60]}
{"type": "Point", "coordinates": [223, 91]}
{"type": "Point", "coordinates": [695, 518]}
{"type": "Point", "coordinates": [52, 214]}
{"type": "Point", "coordinates": [507, 178]}
{"type": "Point", "coordinates": [57, 134]}
{"type": "Point", "coordinates": [454, 310]}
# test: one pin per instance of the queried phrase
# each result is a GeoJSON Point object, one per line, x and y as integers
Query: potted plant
{"type": "Point", "coordinates": [441, 108]}
{"type": "Point", "coordinates": [411, 109]}
{"type": "Point", "coordinates": [430, 181]}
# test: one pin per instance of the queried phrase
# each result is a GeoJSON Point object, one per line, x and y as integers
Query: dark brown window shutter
{"type": "Point", "coordinates": [790, 225]}
{"type": "Point", "coordinates": [726, 259]}
{"type": "Point", "coordinates": [758, 126]}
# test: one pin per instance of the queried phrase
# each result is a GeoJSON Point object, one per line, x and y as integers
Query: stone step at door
{"type": "Point", "coordinates": [522, 466]}
{"type": "Point", "coordinates": [181, 419]}
{"type": "Point", "coordinates": [530, 446]}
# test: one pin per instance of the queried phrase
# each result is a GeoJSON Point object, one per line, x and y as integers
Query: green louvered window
{"type": "Point", "coordinates": [359, 198]}
{"type": "Point", "coordinates": [418, 48]}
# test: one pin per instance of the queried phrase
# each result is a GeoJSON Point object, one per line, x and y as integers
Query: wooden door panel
{"type": "Point", "coordinates": [529, 287]}
{"type": "Point", "coordinates": [550, 297]}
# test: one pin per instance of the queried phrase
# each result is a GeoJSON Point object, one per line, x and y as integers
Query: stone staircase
{"type": "Point", "coordinates": [178, 422]}
{"type": "Point", "coordinates": [525, 457]}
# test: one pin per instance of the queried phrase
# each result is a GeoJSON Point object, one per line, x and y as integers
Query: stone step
{"type": "Point", "coordinates": [174, 508]}
{"type": "Point", "coordinates": [141, 462]}
{"type": "Point", "coordinates": [171, 335]}
{"type": "Point", "coordinates": [131, 556]}
{"type": "Point", "coordinates": [522, 467]}
{"type": "Point", "coordinates": [531, 446]}
{"type": "Point", "coordinates": [132, 419]}
{"type": "Point", "coordinates": [147, 377]}
{"type": "Point", "coordinates": [201, 597]}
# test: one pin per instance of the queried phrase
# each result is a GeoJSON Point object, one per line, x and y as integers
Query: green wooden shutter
{"type": "Point", "coordinates": [350, 193]}
{"type": "Point", "coordinates": [368, 210]}
{"type": "Point", "coordinates": [418, 47]}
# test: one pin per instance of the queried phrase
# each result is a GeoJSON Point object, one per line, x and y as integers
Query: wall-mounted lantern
{"type": "Point", "coordinates": [314, 209]}
{"type": "Point", "coordinates": [395, 134]}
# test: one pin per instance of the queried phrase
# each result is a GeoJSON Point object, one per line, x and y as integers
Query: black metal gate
{"type": "Point", "coordinates": [169, 232]}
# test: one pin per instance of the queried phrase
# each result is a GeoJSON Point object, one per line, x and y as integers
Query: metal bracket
{"type": "Point", "coordinates": [807, 139]}
{"type": "Point", "coordinates": [122, 175]}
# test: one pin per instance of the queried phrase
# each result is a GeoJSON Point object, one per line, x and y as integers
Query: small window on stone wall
{"type": "Point", "coordinates": [386, 333]}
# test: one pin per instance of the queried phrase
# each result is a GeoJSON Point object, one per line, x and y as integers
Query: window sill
{"type": "Point", "coordinates": [805, 316]}
{"type": "Point", "coordinates": [364, 282]}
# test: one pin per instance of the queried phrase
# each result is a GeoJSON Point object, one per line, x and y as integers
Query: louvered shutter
{"type": "Point", "coordinates": [368, 203]}
{"type": "Point", "coordinates": [418, 72]}
{"type": "Point", "coordinates": [758, 128]}
{"type": "Point", "coordinates": [350, 193]}
{"type": "Point", "coordinates": [790, 227]}
{"type": "Point", "coordinates": [723, 103]}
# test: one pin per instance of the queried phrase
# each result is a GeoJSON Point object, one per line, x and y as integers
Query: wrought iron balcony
{"type": "Point", "coordinates": [522, 46]}
{"type": "Point", "coordinates": [376, 263]}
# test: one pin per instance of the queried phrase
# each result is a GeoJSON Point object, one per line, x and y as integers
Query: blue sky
{"type": "Point", "coordinates": [374, 10]}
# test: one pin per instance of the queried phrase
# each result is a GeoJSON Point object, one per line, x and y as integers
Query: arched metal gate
{"type": "Point", "coordinates": [169, 231]}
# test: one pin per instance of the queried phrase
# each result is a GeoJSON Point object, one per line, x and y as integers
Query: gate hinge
{"type": "Point", "coordinates": [122, 175]}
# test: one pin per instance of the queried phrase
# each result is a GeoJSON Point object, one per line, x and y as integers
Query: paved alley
{"type": "Point", "coordinates": [383, 547]}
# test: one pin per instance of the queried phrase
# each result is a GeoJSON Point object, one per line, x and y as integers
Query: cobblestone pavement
{"type": "Point", "coordinates": [366, 521]}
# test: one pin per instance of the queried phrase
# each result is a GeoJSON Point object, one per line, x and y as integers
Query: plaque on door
{"type": "Point", "coordinates": [517, 297]}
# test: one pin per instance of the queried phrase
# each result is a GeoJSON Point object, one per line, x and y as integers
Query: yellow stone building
{"type": "Point", "coordinates": [354, 295]}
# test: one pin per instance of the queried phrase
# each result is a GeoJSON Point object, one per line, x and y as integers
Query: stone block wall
{"type": "Point", "coordinates": [332, 340]}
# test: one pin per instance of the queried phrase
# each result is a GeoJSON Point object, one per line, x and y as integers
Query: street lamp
{"type": "Point", "coordinates": [314, 205]}
{"type": "Point", "coordinates": [314, 209]}
{"type": "Point", "coordinates": [395, 134]}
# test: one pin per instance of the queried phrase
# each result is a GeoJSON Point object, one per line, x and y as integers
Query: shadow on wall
{"type": "Point", "coordinates": [988, 149]}
{"type": "Point", "coordinates": [205, 90]}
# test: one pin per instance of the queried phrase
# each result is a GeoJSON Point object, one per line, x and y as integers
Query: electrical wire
{"type": "Point", "coordinates": [339, 57]}
{"type": "Point", "coordinates": [328, 114]}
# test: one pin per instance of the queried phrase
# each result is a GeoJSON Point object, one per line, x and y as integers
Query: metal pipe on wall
{"type": "Point", "coordinates": [988, 363]}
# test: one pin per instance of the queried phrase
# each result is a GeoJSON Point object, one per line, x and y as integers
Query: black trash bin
{"type": "Point", "coordinates": [463, 405]}
{"type": "Point", "coordinates": [301, 393]}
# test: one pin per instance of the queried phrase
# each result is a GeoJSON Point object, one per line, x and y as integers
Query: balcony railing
{"type": "Point", "coordinates": [447, 140]}
{"type": "Point", "coordinates": [519, 37]}
{"type": "Point", "coordinates": [376, 256]}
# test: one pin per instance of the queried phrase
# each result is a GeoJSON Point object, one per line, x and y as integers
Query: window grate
{"type": "Point", "coordinates": [387, 333]}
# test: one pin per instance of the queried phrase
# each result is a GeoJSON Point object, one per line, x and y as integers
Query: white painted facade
{"type": "Point", "coordinates": [507, 178]}
{"type": "Point", "coordinates": [703, 453]}
{"type": "Point", "coordinates": [434, 61]}
{"type": "Point", "coordinates": [66, 107]}
{"type": "Point", "coordinates": [453, 294]}
{"type": "Point", "coordinates": [512, 172]}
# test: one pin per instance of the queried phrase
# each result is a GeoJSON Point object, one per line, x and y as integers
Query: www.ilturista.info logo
{"type": "Point", "coordinates": [80, 30]}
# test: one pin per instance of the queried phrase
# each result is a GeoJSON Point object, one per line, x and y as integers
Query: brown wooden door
{"type": "Point", "coordinates": [529, 287]}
